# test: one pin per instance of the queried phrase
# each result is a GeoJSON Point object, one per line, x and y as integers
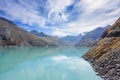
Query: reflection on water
{"type": "Point", "coordinates": [27, 63]}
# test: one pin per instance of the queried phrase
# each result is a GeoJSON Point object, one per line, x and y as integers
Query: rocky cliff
{"type": "Point", "coordinates": [12, 35]}
{"type": "Point", "coordinates": [105, 55]}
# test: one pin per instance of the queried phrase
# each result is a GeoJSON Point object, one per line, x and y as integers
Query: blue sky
{"type": "Point", "coordinates": [61, 17]}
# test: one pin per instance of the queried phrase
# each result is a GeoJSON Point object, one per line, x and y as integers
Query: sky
{"type": "Point", "coordinates": [61, 17]}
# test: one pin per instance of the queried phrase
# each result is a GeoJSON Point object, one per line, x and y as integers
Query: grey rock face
{"type": "Point", "coordinates": [109, 67]}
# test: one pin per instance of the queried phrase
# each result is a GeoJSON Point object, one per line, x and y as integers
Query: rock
{"type": "Point", "coordinates": [105, 55]}
{"type": "Point", "coordinates": [12, 35]}
{"type": "Point", "coordinates": [109, 67]}
{"type": "Point", "coordinates": [113, 31]}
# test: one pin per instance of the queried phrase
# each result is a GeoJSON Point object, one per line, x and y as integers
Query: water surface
{"type": "Point", "coordinates": [27, 63]}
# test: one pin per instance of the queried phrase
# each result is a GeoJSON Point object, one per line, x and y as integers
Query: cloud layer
{"type": "Point", "coordinates": [61, 17]}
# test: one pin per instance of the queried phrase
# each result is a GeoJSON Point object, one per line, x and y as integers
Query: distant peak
{"type": "Point", "coordinates": [42, 33]}
{"type": "Point", "coordinates": [33, 31]}
{"type": "Point", "coordinates": [68, 36]}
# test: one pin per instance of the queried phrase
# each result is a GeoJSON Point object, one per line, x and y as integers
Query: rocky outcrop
{"type": "Point", "coordinates": [105, 55]}
{"type": "Point", "coordinates": [91, 38]}
{"type": "Point", "coordinates": [109, 67]}
{"type": "Point", "coordinates": [12, 35]}
{"type": "Point", "coordinates": [113, 31]}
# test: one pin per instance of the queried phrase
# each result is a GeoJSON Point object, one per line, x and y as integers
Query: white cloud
{"type": "Point", "coordinates": [22, 12]}
{"type": "Point", "coordinates": [59, 33]}
{"type": "Point", "coordinates": [56, 10]}
{"type": "Point", "coordinates": [91, 6]}
{"type": "Point", "coordinates": [92, 14]}
{"type": "Point", "coordinates": [115, 12]}
{"type": "Point", "coordinates": [76, 28]}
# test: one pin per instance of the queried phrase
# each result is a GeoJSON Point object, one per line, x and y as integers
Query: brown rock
{"type": "Point", "coordinates": [12, 35]}
{"type": "Point", "coordinates": [105, 55]}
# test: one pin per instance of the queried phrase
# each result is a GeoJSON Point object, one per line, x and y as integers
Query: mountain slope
{"type": "Point", "coordinates": [105, 56]}
{"type": "Point", "coordinates": [55, 39]}
{"type": "Point", "coordinates": [91, 37]}
{"type": "Point", "coordinates": [72, 39]}
{"type": "Point", "coordinates": [41, 34]}
{"type": "Point", "coordinates": [12, 35]}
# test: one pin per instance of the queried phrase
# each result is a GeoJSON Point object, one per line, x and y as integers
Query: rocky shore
{"type": "Point", "coordinates": [109, 67]}
{"type": "Point", "coordinates": [105, 55]}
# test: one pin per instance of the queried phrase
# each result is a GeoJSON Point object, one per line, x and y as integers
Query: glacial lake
{"type": "Point", "coordinates": [36, 63]}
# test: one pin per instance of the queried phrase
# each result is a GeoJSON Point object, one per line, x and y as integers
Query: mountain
{"type": "Point", "coordinates": [12, 35]}
{"type": "Point", "coordinates": [105, 55]}
{"type": "Point", "coordinates": [72, 39]}
{"type": "Point", "coordinates": [90, 38]}
{"type": "Point", "coordinates": [55, 39]}
{"type": "Point", "coordinates": [41, 34]}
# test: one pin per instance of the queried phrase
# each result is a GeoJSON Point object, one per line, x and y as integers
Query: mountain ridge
{"type": "Point", "coordinates": [12, 35]}
{"type": "Point", "coordinates": [91, 38]}
{"type": "Point", "coordinates": [57, 40]}
{"type": "Point", "coordinates": [73, 39]}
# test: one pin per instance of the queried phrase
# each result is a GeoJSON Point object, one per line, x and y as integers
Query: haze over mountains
{"type": "Point", "coordinates": [56, 39]}
{"type": "Point", "coordinates": [73, 39]}
{"type": "Point", "coordinates": [87, 40]}
{"type": "Point", "coordinates": [64, 41]}
{"type": "Point", "coordinates": [11, 35]}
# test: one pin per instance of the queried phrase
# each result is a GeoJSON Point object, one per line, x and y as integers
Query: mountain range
{"type": "Point", "coordinates": [13, 35]}
{"type": "Point", "coordinates": [91, 38]}
{"type": "Point", "coordinates": [59, 41]}
{"type": "Point", "coordinates": [73, 39]}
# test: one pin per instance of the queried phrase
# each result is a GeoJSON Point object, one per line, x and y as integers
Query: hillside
{"type": "Point", "coordinates": [12, 35]}
{"type": "Point", "coordinates": [105, 56]}
{"type": "Point", "coordinates": [91, 37]}
{"type": "Point", "coordinates": [57, 40]}
{"type": "Point", "coordinates": [72, 39]}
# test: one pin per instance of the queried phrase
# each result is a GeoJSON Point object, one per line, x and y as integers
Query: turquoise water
{"type": "Point", "coordinates": [45, 64]}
